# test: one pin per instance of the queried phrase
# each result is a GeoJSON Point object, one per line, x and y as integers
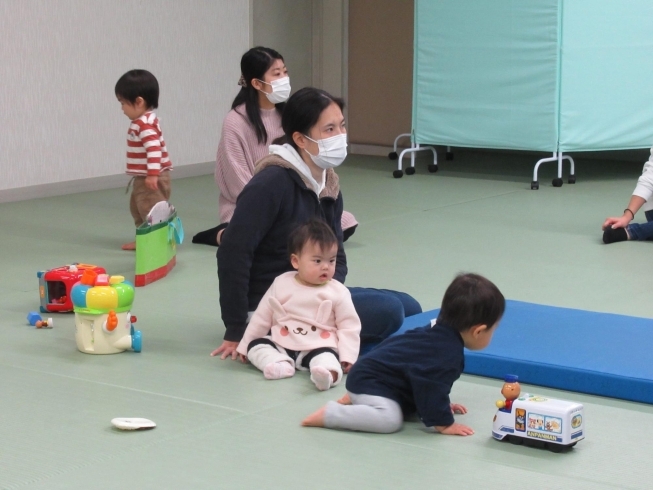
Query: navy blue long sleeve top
{"type": "Point", "coordinates": [254, 247]}
{"type": "Point", "coordinates": [416, 369]}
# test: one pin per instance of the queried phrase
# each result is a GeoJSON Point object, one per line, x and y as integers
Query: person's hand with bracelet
{"type": "Point", "coordinates": [620, 222]}
{"type": "Point", "coordinates": [635, 203]}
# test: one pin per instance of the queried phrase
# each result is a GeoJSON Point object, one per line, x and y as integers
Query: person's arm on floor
{"type": "Point", "coordinates": [622, 221]}
{"type": "Point", "coordinates": [257, 210]}
{"type": "Point", "coordinates": [642, 193]}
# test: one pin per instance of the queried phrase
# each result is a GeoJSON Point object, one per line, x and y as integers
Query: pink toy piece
{"type": "Point", "coordinates": [102, 280]}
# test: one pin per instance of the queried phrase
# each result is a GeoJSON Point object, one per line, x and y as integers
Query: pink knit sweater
{"type": "Point", "coordinates": [238, 152]}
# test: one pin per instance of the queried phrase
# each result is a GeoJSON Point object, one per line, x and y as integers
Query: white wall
{"type": "Point", "coordinates": [286, 25]}
{"type": "Point", "coordinates": [59, 118]}
{"type": "Point", "coordinates": [330, 46]}
{"type": "Point", "coordinates": [309, 34]}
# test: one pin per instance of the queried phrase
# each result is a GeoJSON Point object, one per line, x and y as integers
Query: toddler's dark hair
{"type": "Point", "coordinates": [471, 300]}
{"type": "Point", "coordinates": [138, 83]}
{"type": "Point", "coordinates": [316, 231]}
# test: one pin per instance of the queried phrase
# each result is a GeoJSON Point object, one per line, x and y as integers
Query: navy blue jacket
{"type": "Point", "coordinates": [254, 247]}
{"type": "Point", "coordinates": [416, 369]}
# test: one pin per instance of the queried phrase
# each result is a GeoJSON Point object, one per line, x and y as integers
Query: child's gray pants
{"type": "Point", "coordinates": [367, 413]}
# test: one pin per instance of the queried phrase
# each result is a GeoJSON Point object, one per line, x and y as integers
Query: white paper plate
{"type": "Point", "coordinates": [133, 423]}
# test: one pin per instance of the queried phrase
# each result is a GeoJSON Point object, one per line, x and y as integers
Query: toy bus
{"type": "Point", "coordinates": [540, 421]}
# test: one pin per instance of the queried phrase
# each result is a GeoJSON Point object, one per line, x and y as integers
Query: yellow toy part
{"type": "Point", "coordinates": [501, 403]}
{"type": "Point", "coordinates": [116, 279]}
{"type": "Point", "coordinates": [102, 298]}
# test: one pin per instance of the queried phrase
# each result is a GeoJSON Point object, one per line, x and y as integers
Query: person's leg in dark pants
{"type": "Point", "coordinates": [382, 311]}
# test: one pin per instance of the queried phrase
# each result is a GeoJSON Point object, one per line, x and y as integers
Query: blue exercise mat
{"type": "Point", "coordinates": [576, 350]}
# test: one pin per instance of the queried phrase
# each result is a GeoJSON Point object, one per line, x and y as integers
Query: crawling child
{"type": "Point", "coordinates": [414, 372]}
{"type": "Point", "coordinates": [306, 320]}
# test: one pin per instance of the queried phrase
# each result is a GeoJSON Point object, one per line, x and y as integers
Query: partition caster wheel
{"type": "Point", "coordinates": [433, 168]}
{"type": "Point", "coordinates": [557, 182]}
{"type": "Point", "coordinates": [393, 155]}
{"type": "Point", "coordinates": [410, 170]}
{"type": "Point", "coordinates": [448, 156]}
{"type": "Point", "coordinates": [535, 185]}
{"type": "Point", "coordinates": [398, 174]}
{"type": "Point", "coordinates": [572, 179]}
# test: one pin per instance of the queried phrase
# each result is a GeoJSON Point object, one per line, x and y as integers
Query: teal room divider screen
{"type": "Point", "coordinates": [548, 75]}
{"type": "Point", "coordinates": [606, 96]}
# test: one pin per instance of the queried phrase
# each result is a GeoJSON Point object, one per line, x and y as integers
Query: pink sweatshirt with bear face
{"type": "Point", "coordinates": [303, 318]}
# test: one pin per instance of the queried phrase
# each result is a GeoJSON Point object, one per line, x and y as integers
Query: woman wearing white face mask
{"type": "Point", "coordinates": [253, 123]}
{"type": "Point", "coordinates": [292, 185]}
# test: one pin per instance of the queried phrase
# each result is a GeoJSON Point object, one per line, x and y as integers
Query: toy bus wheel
{"type": "Point", "coordinates": [555, 448]}
{"type": "Point", "coordinates": [410, 170]}
{"type": "Point", "coordinates": [433, 168]}
{"type": "Point", "coordinates": [393, 155]}
{"type": "Point", "coordinates": [537, 444]}
{"type": "Point", "coordinates": [397, 174]}
{"type": "Point", "coordinates": [516, 440]}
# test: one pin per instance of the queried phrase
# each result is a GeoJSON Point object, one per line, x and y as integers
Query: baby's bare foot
{"type": "Point", "coordinates": [345, 400]}
{"type": "Point", "coordinates": [315, 419]}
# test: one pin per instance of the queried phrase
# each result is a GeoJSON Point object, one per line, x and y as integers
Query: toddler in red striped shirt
{"type": "Point", "coordinates": [147, 155]}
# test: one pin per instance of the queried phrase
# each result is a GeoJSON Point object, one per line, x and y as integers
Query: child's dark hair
{"type": "Point", "coordinates": [253, 65]}
{"type": "Point", "coordinates": [316, 231]}
{"type": "Point", "coordinates": [471, 300]}
{"type": "Point", "coordinates": [303, 110]}
{"type": "Point", "coordinates": [139, 83]}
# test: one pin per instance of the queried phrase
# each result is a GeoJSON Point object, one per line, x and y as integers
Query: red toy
{"type": "Point", "coordinates": [55, 285]}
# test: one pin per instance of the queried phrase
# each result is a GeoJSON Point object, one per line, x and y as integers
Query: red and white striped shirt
{"type": "Point", "coordinates": [146, 150]}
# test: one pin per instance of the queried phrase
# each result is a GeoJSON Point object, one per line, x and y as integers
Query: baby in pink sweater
{"type": "Point", "coordinates": [306, 320]}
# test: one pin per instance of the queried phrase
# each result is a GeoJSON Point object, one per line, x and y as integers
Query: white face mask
{"type": "Point", "coordinates": [280, 90]}
{"type": "Point", "coordinates": [332, 151]}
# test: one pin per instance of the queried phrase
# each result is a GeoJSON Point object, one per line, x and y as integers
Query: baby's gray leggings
{"type": "Point", "coordinates": [367, 413]}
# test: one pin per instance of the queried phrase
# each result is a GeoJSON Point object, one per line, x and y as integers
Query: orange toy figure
{"type": "Point", "coordinates": [510, 391]}
{"type": "Point", "coordinates": [112, 321]}
{"type": "Point", "coordinates": [44, 323]}
{"type": "Point", "coordinates": [34, 319]}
